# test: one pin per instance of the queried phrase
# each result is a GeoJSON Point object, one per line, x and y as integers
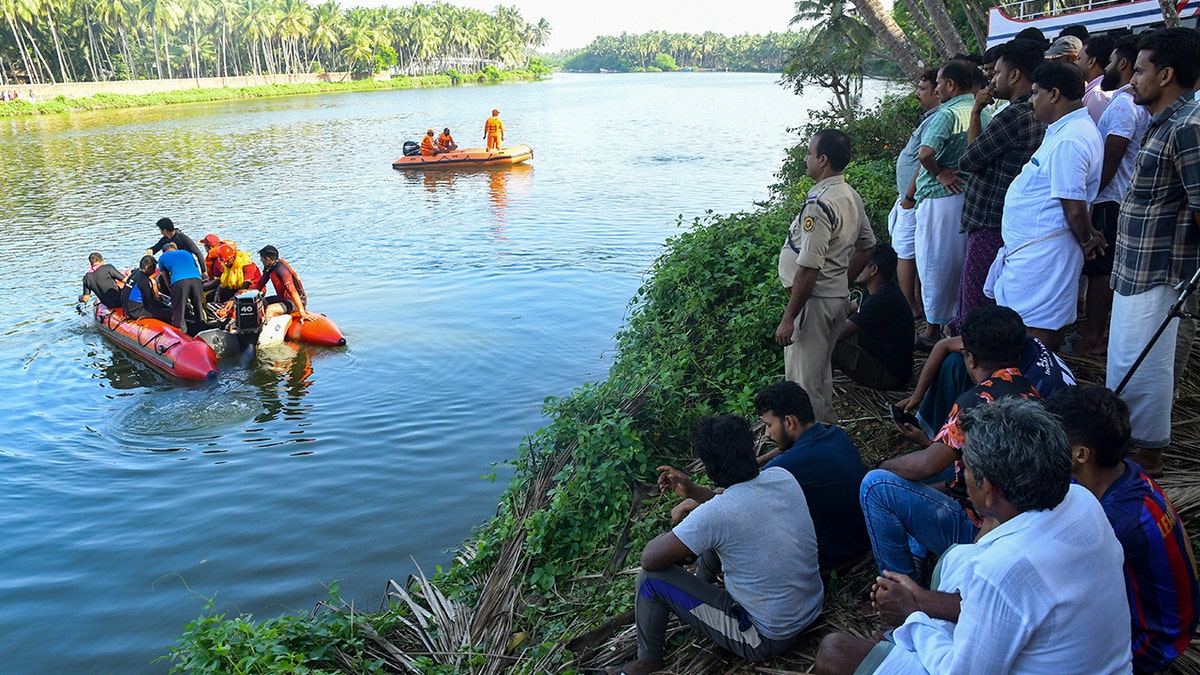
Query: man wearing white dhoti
{"type": "Point", "coordinates": [1046, 228]}
{"type": "Point", "coordinates": [940, 247]}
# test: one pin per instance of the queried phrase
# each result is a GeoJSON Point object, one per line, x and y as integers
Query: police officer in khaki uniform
{"type": "Point", "coordinates": [827, 245]}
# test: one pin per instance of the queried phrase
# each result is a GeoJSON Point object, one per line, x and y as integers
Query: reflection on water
{"type": "Point", "coordinates": [282, 377]}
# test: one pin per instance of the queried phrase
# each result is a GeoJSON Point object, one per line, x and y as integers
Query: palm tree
{"type": "Point", "coordinates": [325, 31]}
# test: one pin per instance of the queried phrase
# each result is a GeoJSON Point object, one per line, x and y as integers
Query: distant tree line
{"type": "Point", "coordinates": [48, 41]}
{"type": "Point", "coordinates": [659, 50]}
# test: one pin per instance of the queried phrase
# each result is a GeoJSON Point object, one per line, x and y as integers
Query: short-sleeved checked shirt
{"type": "Point", "coordinates": [946, 133]}
{"type": "Point", "coordinates": [1157, 240]}
{"type": "Point", "coordinates": [994, 159]}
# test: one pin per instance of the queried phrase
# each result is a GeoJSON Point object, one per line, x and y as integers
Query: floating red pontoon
{"type": "Point", "coordinates": [159, 344]}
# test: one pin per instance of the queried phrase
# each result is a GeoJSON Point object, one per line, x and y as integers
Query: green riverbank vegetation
{"type": "Point", "coordinates": [539, 585]}
{"type": "Point", "coordinates": [54, 41]}
{"type": "Point", "coordinates": [659, 51]}
{"type": "Point", "coordinates": [61, 104]}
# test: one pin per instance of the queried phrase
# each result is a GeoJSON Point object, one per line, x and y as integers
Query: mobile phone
{"type": "Point", "coordinates": [902, 416]}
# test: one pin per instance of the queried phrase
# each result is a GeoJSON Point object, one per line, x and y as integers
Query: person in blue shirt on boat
{"type": "Point", "coordinates": [183, 273]}
{"type": "Point", "coordinates": [140, 298]}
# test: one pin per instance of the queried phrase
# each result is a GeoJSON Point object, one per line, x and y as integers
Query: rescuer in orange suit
{"type": "Point", "coordinates": [445, 142]}
{"type": "Point", "coordinates": [428, 147]}
{"type": "Point", "coordinates": [493, 131]}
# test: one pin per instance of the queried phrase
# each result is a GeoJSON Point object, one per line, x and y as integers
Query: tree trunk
{"type": "Point", "coordinates": [893, 39]}
{"type": "Point", "coordinates": [62, 66]}
{"type": "Point", "coordinates": [921, 18]}
{"type": "Point", "coordinates": [980, 32]}
{"type": "Point", "coordinates": [945, 27]}
{"type": "Point", "coordinates": [1170, 13]}
{"type": "Point", "coordinates": [25, 56]}
{"type": "Point", "coordinates": [45, 71]}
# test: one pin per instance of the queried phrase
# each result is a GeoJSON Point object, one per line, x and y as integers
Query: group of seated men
{"type": "Point", "coordinates": [173, 287]}
{"type": "Point", "coordinates": [1054, 552]}
{"type": "Point", "coordinates": [431, 147]}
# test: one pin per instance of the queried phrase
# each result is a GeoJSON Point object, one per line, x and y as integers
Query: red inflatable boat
{"type": "Point", "coordinates": [159, 344]}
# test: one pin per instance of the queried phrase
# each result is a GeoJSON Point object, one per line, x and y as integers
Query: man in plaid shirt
{"type": "Point", "coordinates": [1158, 235]}
{"type": "Point", "coordinates": [993, 159]}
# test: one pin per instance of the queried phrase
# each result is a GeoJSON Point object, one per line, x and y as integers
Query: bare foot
{"type": "Point", "coordinates": [636, 667]}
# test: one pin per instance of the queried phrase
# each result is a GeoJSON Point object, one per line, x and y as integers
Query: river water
{"type": "Point", "coordinates": [126, 498]}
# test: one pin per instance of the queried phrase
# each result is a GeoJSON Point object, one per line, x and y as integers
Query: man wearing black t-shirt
{"type": "Point", "coordinates": [170, 235]}
{"type": "Point", "coordinates": [875, 345]}
{"type": "Point", "coordinates": [104, 280]}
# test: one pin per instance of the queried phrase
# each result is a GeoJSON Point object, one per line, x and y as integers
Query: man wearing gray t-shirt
{"type": "Point", "coordinates": [757, 531]}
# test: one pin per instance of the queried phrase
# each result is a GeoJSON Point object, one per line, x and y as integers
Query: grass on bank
{"type": "Point", "coordinates": [62, 104]}
{"type": "Point", "coordinates": [546, 585]}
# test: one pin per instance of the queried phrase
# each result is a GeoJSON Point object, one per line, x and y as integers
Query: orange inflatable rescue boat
{"type": "Point", "coordinates": [159, 344]}
{"type": "Point", "coordinates": [466, 157]}
{"type": "Point", "coordinates": [319, 331]}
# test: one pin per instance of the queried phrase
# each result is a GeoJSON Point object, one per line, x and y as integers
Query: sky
{"type": "Point", "coordinates": [575, 23]}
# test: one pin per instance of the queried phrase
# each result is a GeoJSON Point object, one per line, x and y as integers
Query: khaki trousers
{"type": "Point", "coordinates": [807, 360]}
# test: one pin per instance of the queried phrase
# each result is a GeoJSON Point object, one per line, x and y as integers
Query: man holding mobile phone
{"type": "Point", "coordinates": [896, 500]}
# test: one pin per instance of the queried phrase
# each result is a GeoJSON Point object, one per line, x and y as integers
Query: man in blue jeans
{"type": "Point", "coordinates": [896, 500]}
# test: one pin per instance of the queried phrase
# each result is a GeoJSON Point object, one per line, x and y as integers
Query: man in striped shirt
{"type": "Point", "coordinates": [1160, 573]}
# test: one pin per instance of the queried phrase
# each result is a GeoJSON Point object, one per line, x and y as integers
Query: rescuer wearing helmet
{"type": "Point", "coordinates": [493, 131]}
{"type": "Point", "coordinates": [238, 271]}
{"type": "Point", "coordinates": [428, 147]}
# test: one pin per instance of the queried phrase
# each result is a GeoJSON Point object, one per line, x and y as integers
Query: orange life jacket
{"type": "Point", "coordinates": [493, 126]}
{"type": "Point", "coordinates": [444, 142]}
{"type": "Point", "coordinates": [427, 147]}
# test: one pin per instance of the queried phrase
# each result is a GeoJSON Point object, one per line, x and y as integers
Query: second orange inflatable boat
{"type": "Point", "coordinates": [467, 157]}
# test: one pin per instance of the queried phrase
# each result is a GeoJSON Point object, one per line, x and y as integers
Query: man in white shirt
{"type": "Point", "coordinates": [1122, 126]}
{"type": "Point", "coordinates": [1041, 591]}
{"type": "Point", "coordinates": [758, 531]}
{"type": "Point", "coordinates": [1046, 229]}
{"type": "Point", "coordinates": [1093, 61]}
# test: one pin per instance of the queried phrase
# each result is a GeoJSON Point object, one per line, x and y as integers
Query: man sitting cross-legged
{"type": "Point", "coordinates": [1040, 591]}
{"type": "Point", "coordinates": [758, 532]}
{"type": "Point", "coordinates": [1160, 573]}
{"type": "Point", "coordinates": [896, 502]}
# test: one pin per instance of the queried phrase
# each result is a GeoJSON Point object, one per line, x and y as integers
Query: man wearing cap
{"type": "Point", "coordinates": [1065, 48]}
{"type": "Point", "coordinates": [428, 147]}
{"type": "Point", "coordinates": [493, 131]}
{"type": "Point", "coordinates": [212, 268]}
{"type": "Point", "coordinates": [826, 246]}
{"type": "Point", "coordinates": [181, 241]}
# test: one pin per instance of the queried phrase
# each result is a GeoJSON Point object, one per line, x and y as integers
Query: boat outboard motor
{"type": "Point", "coordinates": [411, 148]}
{"type": "Point", "coordinates": [248, 317]}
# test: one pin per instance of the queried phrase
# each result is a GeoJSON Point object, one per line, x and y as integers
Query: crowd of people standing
{"type": "Point", "coordinates": [1026, 533]}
